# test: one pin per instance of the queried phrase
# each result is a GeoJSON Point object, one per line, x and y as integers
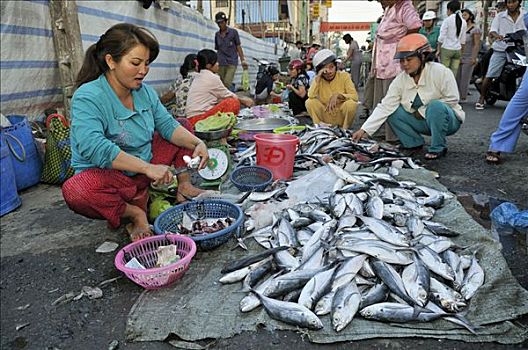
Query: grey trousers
{"type": "Point", "coordinates": [381, 86]}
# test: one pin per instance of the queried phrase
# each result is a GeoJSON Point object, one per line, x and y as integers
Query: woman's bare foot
{"type": "Point", "coordinates": [139, 227]}
{"type": "Point", "coordinates": [137, 232]}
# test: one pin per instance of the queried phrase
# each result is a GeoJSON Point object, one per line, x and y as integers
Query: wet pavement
{"type": "Point", "coordinates": [48, 251]}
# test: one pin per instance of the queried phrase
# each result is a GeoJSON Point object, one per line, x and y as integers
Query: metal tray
{"type": "Point", "coordinates": [212, 135]}
{"type": "Point", "coordinates": [262, 124]}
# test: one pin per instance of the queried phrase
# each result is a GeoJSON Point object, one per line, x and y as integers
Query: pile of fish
{"type": "Point", "coordinates": [319, 145]}
{"type": "Point", "coordinates": [369, 248]}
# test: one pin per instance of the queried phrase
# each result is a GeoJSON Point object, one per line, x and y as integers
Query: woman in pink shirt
{"type": "Point", "coordinates": [399, 19]}
{"type": "Point", "coordinates": [208, 95]}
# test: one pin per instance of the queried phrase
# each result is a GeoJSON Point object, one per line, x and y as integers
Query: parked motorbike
{"type": "Point", "coordinates": [262, 66]}
{"type": "Point", "coordinates": [504, 87]}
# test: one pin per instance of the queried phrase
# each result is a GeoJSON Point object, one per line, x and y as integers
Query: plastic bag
{"type": "Point", "coordinates": [244, 80]}
{"type": "Point", "coordinates": [507, 216]}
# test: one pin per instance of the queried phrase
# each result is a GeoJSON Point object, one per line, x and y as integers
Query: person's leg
{"type": "Point", "coordinates": [441, 122]}
{"type": "Point", "coordinates": [408, 128]}
{"type": "Point", "coordinates": [505, 137]}
{"type": "Point", "coordinates": [164, 152]}
{"type": "Point", "coordinates": [222, 71]}
{"type": "Point", "coordinates": [355, 70]}
{"type": "Point", "coordinates": [496, 64]}
{"type": "Point", "coordinates": [229, 76]}
{"type": "Point", "coordinates": [108, 194]}
{"type": "Point", "coordinates": [231, 104]}
{"type": "Point", "coordinates": [445, 57]}
{"type": "Point", "coordinates": [463, 78]}
{"type": "Point", "coordinates": [390, 136]}
{"type": "Point", "coordinates": [369, 94]}
{"type": "Point", "coordinates": [316, 110]}
{"type": "Point", "coordinates": [347, 113]}
{"type": "Point", "coordinates": [455, 61]}
{"type": "Point", "coordinates": [296, 103]}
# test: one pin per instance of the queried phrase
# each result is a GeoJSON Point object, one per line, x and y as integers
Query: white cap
{"type": "Point", "coordinates": [429, 15]}
{"type": "Point", "coordinates": [322, 58]}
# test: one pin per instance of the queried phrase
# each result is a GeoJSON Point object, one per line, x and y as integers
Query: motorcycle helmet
{"type": "Point", "coordinates": [412, 45]}
{"type": "Point", "coordinates": [322, 58]}
{"type": "Point", "coordinates": [296, 64]}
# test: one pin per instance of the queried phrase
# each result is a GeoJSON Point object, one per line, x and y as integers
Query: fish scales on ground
{"type": "Point", "coordinates": [369, 248]}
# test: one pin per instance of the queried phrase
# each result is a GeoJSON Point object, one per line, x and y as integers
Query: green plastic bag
{"type": "Point", "coordinates": [244, 80]}
{"type": "Point", "coordinates": [57, 159]}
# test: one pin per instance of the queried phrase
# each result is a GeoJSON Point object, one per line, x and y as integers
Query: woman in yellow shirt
{"type": "Point", "coordinates": [332, 98]}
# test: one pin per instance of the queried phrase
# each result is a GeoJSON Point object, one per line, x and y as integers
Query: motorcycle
{"type": "Point", "coordinates": [504, 87]}
{"type": "Point", "coordinates": [263, 66]}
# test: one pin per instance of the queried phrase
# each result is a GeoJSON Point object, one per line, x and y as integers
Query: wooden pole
{"type": "Point", "coordinates": [68, 45]}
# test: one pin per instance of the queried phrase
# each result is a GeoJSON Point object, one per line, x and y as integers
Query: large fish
{"type": "Point", "coordinates": [291, 313]}
{"type": "Point", "coordinates": [345, 304]}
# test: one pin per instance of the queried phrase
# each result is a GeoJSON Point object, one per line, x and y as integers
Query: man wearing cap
{"type": "Point", "coordinates": [227, 45]}
{"type": "Point", "coordinates": [429, 29]}
{"type": "Point", "coordinates": [332, 97]}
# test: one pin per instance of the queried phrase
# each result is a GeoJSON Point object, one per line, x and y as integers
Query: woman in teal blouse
{"type": "Point", "coordinates": [122, 138]}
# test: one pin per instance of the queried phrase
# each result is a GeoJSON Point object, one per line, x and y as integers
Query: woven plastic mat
{"type": "Point", "coordinates": [198, 307]}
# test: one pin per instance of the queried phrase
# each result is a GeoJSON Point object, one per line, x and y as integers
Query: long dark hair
{"type": "Point", "coordinates": [454, 6]}
{"type": "Point", "coordinates": [116, 42]}
{"type": "Point", "coordinates": [205, 57]}
{"type": "Point", "coordinates": [189, 64]}
{"type": "Point", "coordinates": [470, 14]}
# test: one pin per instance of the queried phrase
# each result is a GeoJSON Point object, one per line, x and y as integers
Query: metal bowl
{"type": "Point", "coordinates": [262, 124]}
{"type": "Point", "coordinates": [213, 135]}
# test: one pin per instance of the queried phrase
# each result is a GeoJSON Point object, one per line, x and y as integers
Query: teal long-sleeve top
{"type": "Point", "coordinates": [101, 126]}
{"type": "Point", "coordinates": [432, 36]}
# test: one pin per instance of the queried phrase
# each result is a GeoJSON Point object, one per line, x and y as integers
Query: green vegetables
{"type": "Point", "coordinates": [158, 206]}
{"type": "Point", "coordinates": [219, 121]}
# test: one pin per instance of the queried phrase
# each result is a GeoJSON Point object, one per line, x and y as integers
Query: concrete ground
{"type": "Point", "coordinates": [48, 251]}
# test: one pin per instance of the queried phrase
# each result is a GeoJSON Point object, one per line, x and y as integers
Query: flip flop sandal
{"type": "Point", "coordinates": [411, 150]}
{"type": "Point", "coordinates": [479, 106]}
{"type": "Point", "coordinates": [493, 157]}
{"type": "Point", "coordinates": [435, 155]}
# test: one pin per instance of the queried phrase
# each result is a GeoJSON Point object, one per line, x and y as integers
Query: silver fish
{"type": "Point", "coordinates": [434, 262]}
{"type": "Point", "coordinates": [392, 279]}
{"type": "Point", "coordinates": [375, 207]}
{"type": "Point", "coordinates": [394, 312]}
{"type": "Point", "coordinates": [256, 272]}
{"type": "Point", "coordinates": [343, 174]}
{"type": "Point", "coordinates": [286, 261]}
{"type": "Point", "coordinates": [378, 249]}
{"type": "Point", "coordinates": [385, 232]}
{"type": "Point", "coordinates": [453, 260]}
{"type": "Point", "coordinates": [316, 287]}
{"type": "Point", "coordinates": [376, 294]}
{"type": "Point", "coordinates": [416, 282]}
{"type": "Point", "coordinates": [449, 299]}
{"type": "Point", "coordinates": [235, 276]}
{"type": "Point", "coordinates": [291, 313]}
{"type": "Point", "coordinates": [345, 305]}
{"type": "Point", "coordinates": [473, 280]}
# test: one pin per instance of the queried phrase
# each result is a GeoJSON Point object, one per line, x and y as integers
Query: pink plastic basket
{"type": "Point", "coordinates": [145, 251]}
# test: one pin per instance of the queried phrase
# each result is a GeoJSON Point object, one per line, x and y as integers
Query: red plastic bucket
{"type": "Point", "coordinates": [276, 152]}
